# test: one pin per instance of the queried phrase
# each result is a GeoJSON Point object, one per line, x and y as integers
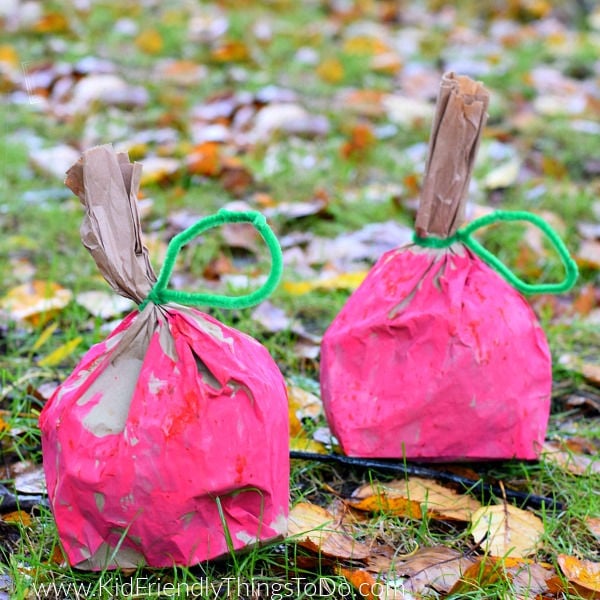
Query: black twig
{"type": "Point", "coordinates": [476, 487]}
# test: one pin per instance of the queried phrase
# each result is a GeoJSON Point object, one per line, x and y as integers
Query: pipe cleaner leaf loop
{"type": "Point", "coordinates": [464, 236]}
{"type": "Point", "coordinates": [160, 294]}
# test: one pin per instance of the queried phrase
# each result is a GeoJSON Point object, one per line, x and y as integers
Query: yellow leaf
{"type": "Point", "coordinates": [17, 516]}
{"type": "Point", "coordinates": [301, 443]}
{"type": "Point", "coordinates": [364, 45]}
{"type": "Point", "coordinates": [8, 55]}
{"type": "Point", "coordinates": [149, 41]}
{"type": "Point", "coordinates": [52, 23]}
{"type": "Point", "coordinates": [348, 281]}
{"type": "Point", "coordinates": [62, 352]}
{"type": "Point", "coordinates": [580, 572]}
{"type": "Point", "coordinates": [503, 529]}
{"type": "Point", "coordinates": [36, 301]}
{"type": "Point", "coordinates": [231, 51]}
{"type": "Point", "coordinates": [331, 70]}
{"type": "Point", "coordinates": [44, 336]}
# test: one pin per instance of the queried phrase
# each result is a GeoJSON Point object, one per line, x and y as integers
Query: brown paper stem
{"type": "Point", "coordinates": [461, 112]}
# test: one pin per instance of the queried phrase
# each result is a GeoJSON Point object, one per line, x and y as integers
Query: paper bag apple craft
{"type": "Point", "coordinates": [436, 356]}
{"type": "Point", "coordinates": [168, 444]}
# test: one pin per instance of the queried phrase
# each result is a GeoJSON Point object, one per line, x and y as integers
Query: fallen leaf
{"type": "Point", "coordinates": [8, 55]}
{"type": "Point", "coordinates": [149, 41]}
{"type": "Point", "coordinates": [305, 404]}
{"type": "Point", "coordinates": [504, 529]}
{"type": "Point", "coordinates": [31, 481]}
{"type": "Point", "coordinates": [230, 51]}
{"type": "Point", "coordinates": [364, 583]}
{"type": "Point", "coordinates": [235, 177]}
{"type": "Point", "coordinates": [104, 304]}
{"type": "Point", "coordinates": [106, 89]}
{"type": "Point", "coordinates": [591, 372]}
{"type": "Point", "coordinates": [272, 318]}
{"type": "Point", "coordinates": [585, 301]}
{"type": "Point", "coordinates": [36, 302]}
{"type": "Point", "coordinates": [205, 159]}
{"type": "Point", "coordinates": [405, 496]}
{"type": "Point", "coordinates": [19, 517]}
{"type": "Point", "coordinates": [378, 498]}
{"type": "Point", "coordinates": [578, 464]}
{"type": "Point", "coordinates": [589, 254]}
{"type": "Point", "coordinates": [361, 139]}
{"type": "Point", "coordinates": [317, 529]}
{"type": "Point", "coordinates": [52, 23]}
{"type": "Point", "coordinates": [593, 524]}
{"type": "Point", "coordinates": [348, 281]}
{"type": "Point", "coordinates": [584, 573]}
{"type": "Point", "coordinates": [331, 70]}
{"type": "Point", "coordinates": [54, 161]}
{"type": "Point", "coordinates": [301, 443]}
{"type": "Point", "coordinates": [503, 176]}
{"type": "Point", "coordinates": [157, 169]}
{"type": "Point", "coordinates": [366, 103]}
{"type": "Point", "coordinates": [406, 111]}
{"type": "Point", "coordinates": [57, 356]}
{"type": "Point", "coordinates": [437, 567]}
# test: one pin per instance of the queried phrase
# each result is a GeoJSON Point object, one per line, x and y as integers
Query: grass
{"type": "Point", "coordinates": [39, 228]}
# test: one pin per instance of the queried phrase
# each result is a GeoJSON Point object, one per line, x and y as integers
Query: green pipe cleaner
{"type": "Point", "coordinates": [464, 236]}
{"type": "Point", "coordinates": [160, 294]}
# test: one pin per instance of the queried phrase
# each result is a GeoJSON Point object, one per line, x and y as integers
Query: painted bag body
{"type": "Point", "coordinates": [436, 357]}
{"type": "Point", "coordinates": [168, 443]}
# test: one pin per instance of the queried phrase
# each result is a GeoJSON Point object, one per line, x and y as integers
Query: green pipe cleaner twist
{"type": "Point", "coordinates": [159, 294]}
{"type": "Point", "coordinates": [464, 236]}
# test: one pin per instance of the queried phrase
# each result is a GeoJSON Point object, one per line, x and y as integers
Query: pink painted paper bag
{"type": "Point", "coordinates": [168, 444]}
{"type": "Point", "coordinates": [436, 356]}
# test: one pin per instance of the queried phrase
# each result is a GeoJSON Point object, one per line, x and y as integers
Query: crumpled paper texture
{"type": "Point", "coordinates": [436, 357]}
{"type": "Point", "coordinates": [171, 432]}
{"type": "Point", "coordinates": [461, 113]}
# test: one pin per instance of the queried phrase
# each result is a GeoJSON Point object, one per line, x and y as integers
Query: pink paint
{"type": "Point", "coordinates": [172, 414]}
{"type": "Point", "coordinates": [436, 357]}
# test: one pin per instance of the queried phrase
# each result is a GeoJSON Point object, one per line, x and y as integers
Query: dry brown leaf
{"type": "Point", "coordinates": [503, 530]}
{"type": "Point", "coordinates": [317, 529]}
{"type": "Point", "coordinates": [578, 464]}
{"type": "Point", "coordinates": [589, 254]}
{"type": "Point", "coordinates": [437, 567]}
{"type": "Point", "coordinates": [593, 524]}
{"type": "Point", "coordinates": [403, 497]}
{"type": "Point", "coordinates": [36, 301]}
{"type": "Point", "coordinates": [585, 301]}
{"type": "Point", "coordinates": [591, 372]}
{"type": "Point", "coordinates": [31, 480]}
{"type": "Point", "coordinates": [584, 573]}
